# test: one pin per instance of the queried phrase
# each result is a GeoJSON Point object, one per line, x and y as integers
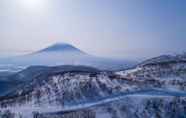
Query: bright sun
{"type": "Point", "coordinates": [33, 5]}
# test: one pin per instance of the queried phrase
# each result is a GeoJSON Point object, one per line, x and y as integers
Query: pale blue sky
{"type": "Point", "coordinates": [111, 28]}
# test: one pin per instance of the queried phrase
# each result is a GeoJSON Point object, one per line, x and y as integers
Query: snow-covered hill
{"type": "Point", "coordinates": [10, 82]}
{"type": "Point", "coordinates": [54, 90]}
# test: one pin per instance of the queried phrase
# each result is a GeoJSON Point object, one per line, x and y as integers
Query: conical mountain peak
{"type": "Point", "coordinates": [61, 47]}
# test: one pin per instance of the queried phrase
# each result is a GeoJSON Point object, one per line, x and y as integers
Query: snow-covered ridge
{"type": "Point", "coordinates": [165, 66]}
{"type": "Point", "coordinates": [165, 59]}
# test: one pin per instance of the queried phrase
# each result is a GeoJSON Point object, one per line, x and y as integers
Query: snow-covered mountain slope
{"type": "Point", "coordinates": [149, 90]}
{"type": "Point", "coordinates": [165, 73]}
{"type": "Point", "coordinates": [163, 59]}
{"type": "Point", "coordinates": [66, 54]}
{"type": "Point", "coordinates": [159, 67]}
{"type": "Point", "coordinates": [10, 82]}
{"type": "Point", "coordinates": [71, 87]}
{"type": "Point", "coordinates": [56, 90]}
{"type": "Point", "coordinates": [135, 106]}
{"type": "Point", "coordinates": [168, 73]}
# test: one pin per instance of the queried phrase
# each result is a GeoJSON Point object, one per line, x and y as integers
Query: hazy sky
{"type": "Point", "coordinates": [115, 28]}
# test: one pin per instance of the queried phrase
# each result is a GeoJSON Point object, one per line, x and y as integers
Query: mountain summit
{"type": "Point", "coordinates": [61, 47]}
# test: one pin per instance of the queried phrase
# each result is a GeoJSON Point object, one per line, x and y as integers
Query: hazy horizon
{"type": "Point", "coordinates": [117, 29]}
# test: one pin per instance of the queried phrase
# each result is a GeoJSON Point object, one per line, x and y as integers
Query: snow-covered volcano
{"type": "Point", "coordinates": [62, 48]}
{"type": "Point", "coordinates": [65, 54]}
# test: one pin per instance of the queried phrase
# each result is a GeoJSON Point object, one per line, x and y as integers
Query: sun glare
{"type": "Point", "coordinates": [34, 5]}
